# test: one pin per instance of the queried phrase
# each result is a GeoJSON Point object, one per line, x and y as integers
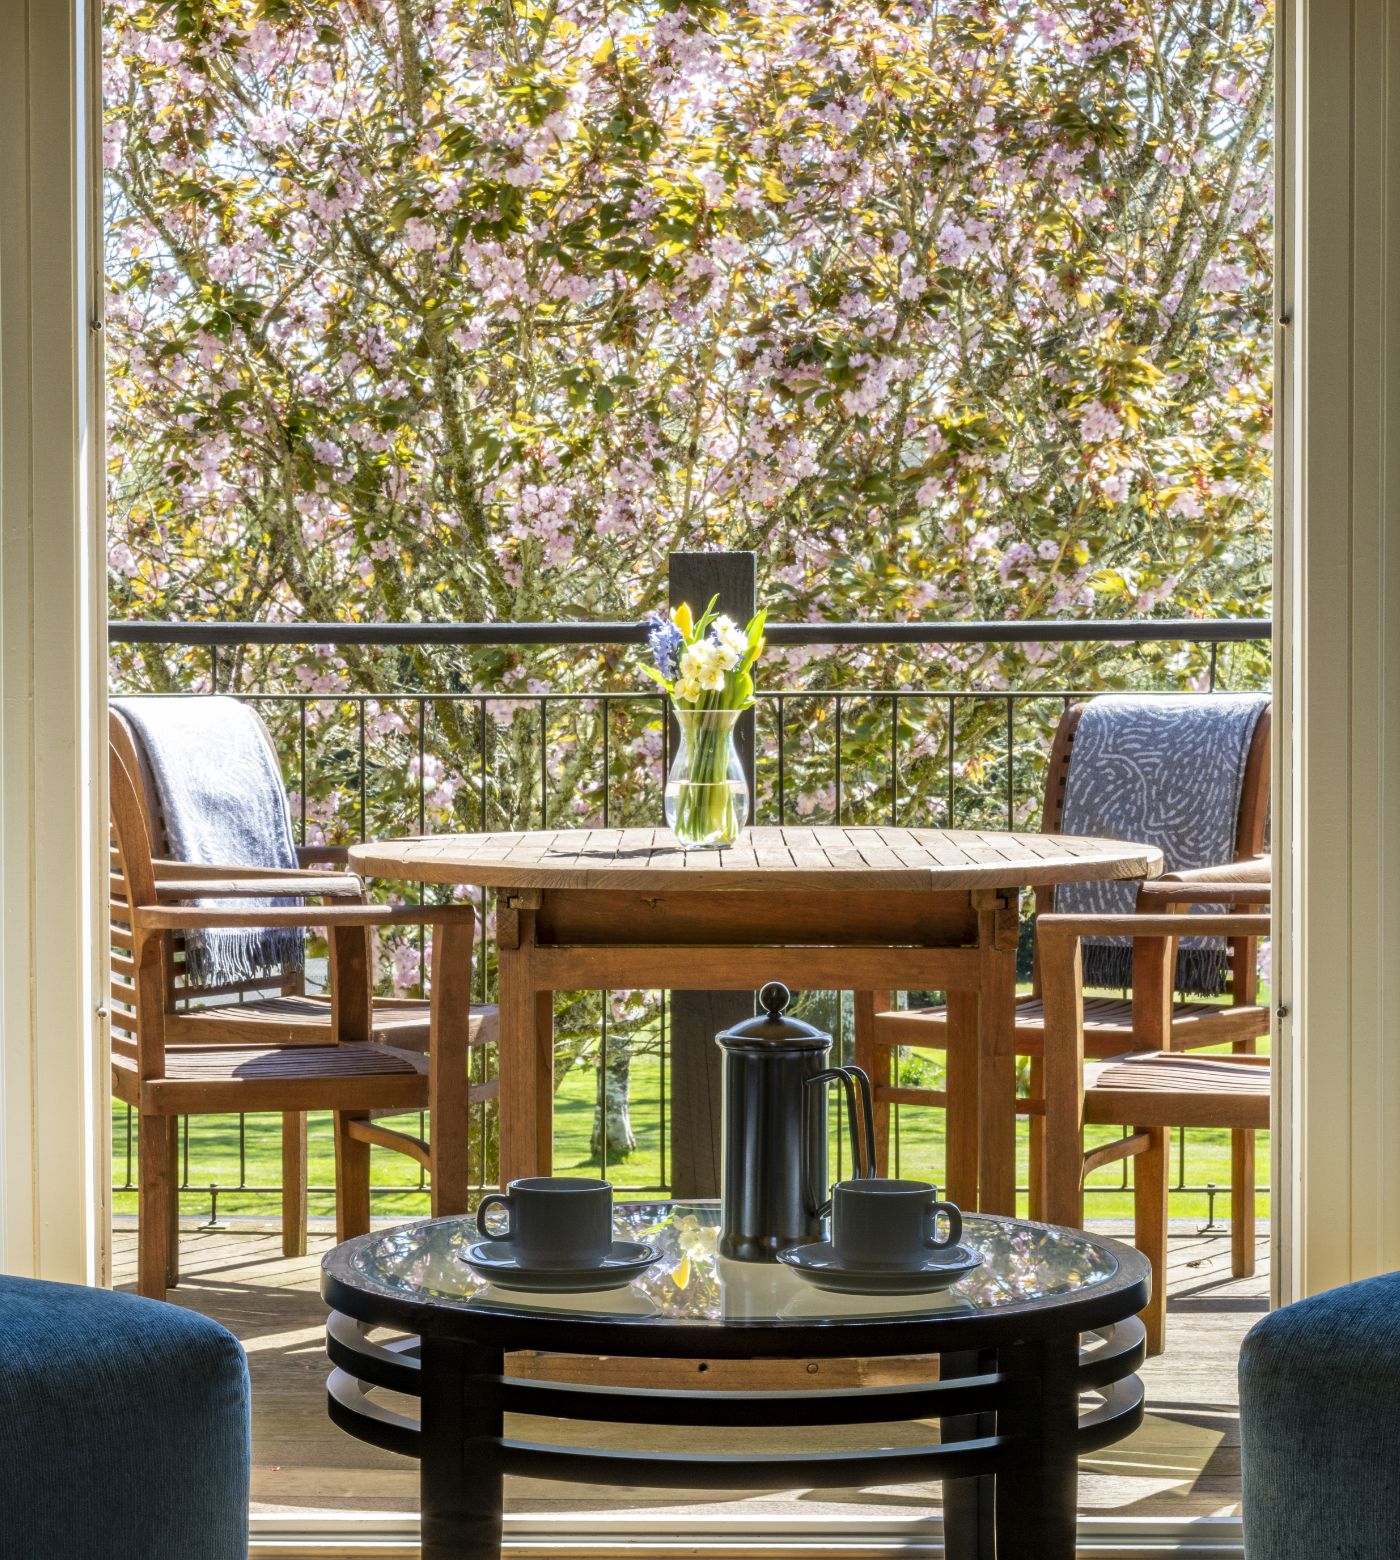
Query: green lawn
{"type": "Point", "coordinates": [214, 1157]}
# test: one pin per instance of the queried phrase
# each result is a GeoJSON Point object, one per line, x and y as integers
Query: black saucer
{"type": "Point", "coordinates": [820, 1264]}
{"type": "Point", "coordinates": [495, 1261]}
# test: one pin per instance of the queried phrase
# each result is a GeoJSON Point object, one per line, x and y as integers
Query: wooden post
{"type": "Point", "coordinates": [697, 1016]}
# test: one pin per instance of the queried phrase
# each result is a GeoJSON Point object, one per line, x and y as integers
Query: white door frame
{"type": "Point", "coordinates": [54, 1110]}
{"type": "Point", "coordinates": [1338, 615]}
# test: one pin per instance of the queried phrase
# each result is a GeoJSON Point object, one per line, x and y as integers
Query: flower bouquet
{"type": "Point", "coordinates": [706, 667]}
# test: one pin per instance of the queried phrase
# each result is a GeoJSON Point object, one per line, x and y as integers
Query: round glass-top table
{"type": "Point", "coordinates": [1048, 1318]}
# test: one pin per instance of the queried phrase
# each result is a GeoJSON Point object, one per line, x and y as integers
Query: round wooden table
{"type": "Point", "coordinates": [827, 909]}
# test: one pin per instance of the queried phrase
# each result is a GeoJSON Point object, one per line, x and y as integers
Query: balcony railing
{"type": "Point", "coordinates": [928, 754]}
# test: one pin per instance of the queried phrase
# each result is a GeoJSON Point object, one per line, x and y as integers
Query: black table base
{"type": "Point", "coordinates": [1011, 1431]}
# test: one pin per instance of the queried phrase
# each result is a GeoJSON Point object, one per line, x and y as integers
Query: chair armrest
{"type": "Point", "coordinates": [168, 870]}
{"type": "Point", "coordinates": [106, 1397]}
{"type": "Point", "coordinates": [305, 885]}
{"type": "Point", "coordinates": [1319, 1395]}
{"type": "Point", "coordinates": [323, 855]}
{"type": "Point", "coordinates": [1165, 892]}
{"type": "Point", "coordinates": [168, 918]}
{"type": "Point", "coordinates": [1254, 869]}
{"type": "Point", "coordinates": [1071, 928]}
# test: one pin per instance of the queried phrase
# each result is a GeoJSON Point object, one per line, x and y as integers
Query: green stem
{"type": "Point", "coordinates": [704, 804]}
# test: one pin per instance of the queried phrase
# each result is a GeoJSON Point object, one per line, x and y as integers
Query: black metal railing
{"type": "Point", "coordinates": [1003, 793]}
{"type": "Point", "coordinates": [1125, 631]}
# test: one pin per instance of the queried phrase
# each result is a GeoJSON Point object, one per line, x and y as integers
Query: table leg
{"type": "Point", "coordinates": [996, 1034]}
{"type": "Point", "coordinates": [460, 1478]}
{"type": "Point", "coordinates": [526, 1060]}
{"type": "Point", "coordinates": [962, 1068]}
{"type": "Point", "coordinates": [1037, 1496]}
{"type": "Point", "coordinates": [969, 1531]}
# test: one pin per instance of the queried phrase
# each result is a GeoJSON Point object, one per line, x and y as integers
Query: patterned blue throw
{"type": "Point", "coordinates": [1167, 772]}
{"type": "Point", "coordinates": [224, 805]}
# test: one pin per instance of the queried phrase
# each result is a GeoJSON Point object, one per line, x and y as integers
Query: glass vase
{"type": "Point", "coordinates": [707, 794]}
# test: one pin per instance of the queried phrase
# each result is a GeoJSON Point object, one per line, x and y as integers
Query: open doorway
{"type": "Point", "coordinates": [955, 318]}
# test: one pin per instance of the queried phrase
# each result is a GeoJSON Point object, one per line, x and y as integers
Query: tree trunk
{"type": "Point", "coordinates": [615, 1103]}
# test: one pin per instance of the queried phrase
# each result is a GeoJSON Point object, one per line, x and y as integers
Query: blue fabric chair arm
{"type": "Point", "coordinates": [1320, 1424]}
{"type": "Point", "coordinates": [124, 1428]}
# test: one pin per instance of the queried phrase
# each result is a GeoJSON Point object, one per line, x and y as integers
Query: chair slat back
{"type": "Point", "coordinates": [140, 976]}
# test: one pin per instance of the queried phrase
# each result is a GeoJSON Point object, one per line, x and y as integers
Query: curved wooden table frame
{"type": "Point", "coordinates": [828, 909]}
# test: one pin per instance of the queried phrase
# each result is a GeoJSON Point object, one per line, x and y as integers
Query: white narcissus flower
{"type": "Point", "coordinates": [709, 666]}
{"type": "Point", "coordinates": [732, 639]}
{"type": "Point", "coordinates": [702, 667]}
{"type": "Point", "coordinates": [692, 663]}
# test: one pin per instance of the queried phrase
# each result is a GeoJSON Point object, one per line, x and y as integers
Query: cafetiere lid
{"type": "Point", "coordinates": [774, 1026]}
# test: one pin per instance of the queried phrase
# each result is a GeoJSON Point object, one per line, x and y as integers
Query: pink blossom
{"type": "Point", "coordinates": [407, 966]}
{"type": "Point", "coordinates": [1098, 423]}
{"type": "Point", "coordinates": [1117, 486]}
{"type": "Point", "coordinates": [1222, 278]}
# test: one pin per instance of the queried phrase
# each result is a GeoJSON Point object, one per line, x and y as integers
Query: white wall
{"type": "Point", "coordinates": [53, 1085]}
{"type": "Point", "coordinates": [1338, 1167]}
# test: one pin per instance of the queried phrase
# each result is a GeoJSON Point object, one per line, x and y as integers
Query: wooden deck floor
{"type": "Point", "coordinates": [1183, 1463]}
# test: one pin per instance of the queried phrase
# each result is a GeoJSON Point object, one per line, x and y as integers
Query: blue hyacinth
{"type": "Point", "coordinates": [666, 642]}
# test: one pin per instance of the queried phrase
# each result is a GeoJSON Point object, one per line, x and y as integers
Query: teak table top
{"type": "Point", "coordinates": [823, 858]}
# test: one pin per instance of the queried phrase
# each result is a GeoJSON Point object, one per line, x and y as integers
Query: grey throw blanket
{"type": "Point", "coordinates": [224, 805]}
{"type": "Point", "coordinates": [1166, 772]}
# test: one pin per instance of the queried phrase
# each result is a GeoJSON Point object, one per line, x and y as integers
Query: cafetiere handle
{"type": "Point", "coordinates": [860, 1079]}
{"type": "Point", "coordinates": [854, 1081]}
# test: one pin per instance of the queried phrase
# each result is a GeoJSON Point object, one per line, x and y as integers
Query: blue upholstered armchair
{"type": "Point", "coordinates": [124, 1429]}
{"type": "Point", "coordinates": [1319, 1424]}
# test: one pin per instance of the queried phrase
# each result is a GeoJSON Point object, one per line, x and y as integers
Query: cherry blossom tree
{"type": "Point", "coordinates": [447, 309]}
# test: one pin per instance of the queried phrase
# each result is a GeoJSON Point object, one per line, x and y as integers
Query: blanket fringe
{"type": "Point", "coordinates": [219, 956]}
{"type": "Point", "coordinates": [1200, 971]}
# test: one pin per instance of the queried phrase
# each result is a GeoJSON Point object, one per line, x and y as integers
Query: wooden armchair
{"type": "Point", "coordinates": [267, 1044]}
{"type": "Point", "coordinates": [881, 1029]}
{"type": "Point", "coordinates": [1151, 1087]}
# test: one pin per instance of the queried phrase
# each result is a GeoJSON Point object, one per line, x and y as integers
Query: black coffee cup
{"type": "Point", "coordinates": [553, 1221]}
{"type": "Point", "coordinates": [890, 1224]}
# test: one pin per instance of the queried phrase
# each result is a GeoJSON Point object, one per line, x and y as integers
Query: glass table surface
{"type": "Point", "coordinates": [1023, 1264]}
